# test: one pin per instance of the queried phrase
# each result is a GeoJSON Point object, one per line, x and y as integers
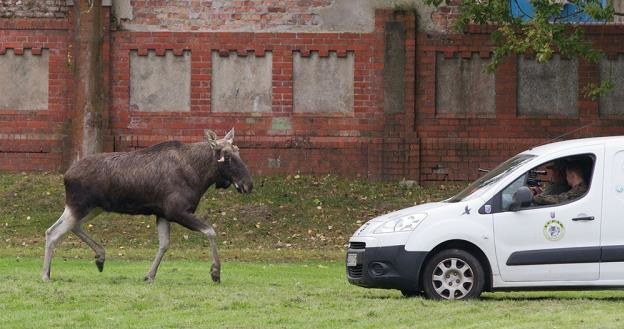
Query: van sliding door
{"type": "Point", "coordinates": [612, 265]}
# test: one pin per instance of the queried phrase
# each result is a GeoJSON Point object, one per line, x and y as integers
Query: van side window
{"type": "Point", "coordinates": [509, 191]}
{"type": "Point", "coordinates": [555, 182]}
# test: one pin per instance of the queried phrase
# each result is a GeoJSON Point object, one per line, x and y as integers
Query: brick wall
{"type": "Point", "coordinates": [228, 15]}
{"type": "Point", "coordinates": [344, 143]}
{"type": "Point", "coordinates": [454, 146]}
{"type": "Point", "coordinates": [444, 17]}
{"type": "Point", "coordinates": [34, 8]}
{"type": "Point", "coordinates": [418, 141]}
{"type": "Point", "coordinates": [35, 139]}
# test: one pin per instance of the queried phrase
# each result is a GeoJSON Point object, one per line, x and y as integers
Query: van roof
{"type": "Point", "coordinates": [573, 143]}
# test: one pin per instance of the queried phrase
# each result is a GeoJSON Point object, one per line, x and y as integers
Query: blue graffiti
{"type": "Point", "coordinates": [524, 10]}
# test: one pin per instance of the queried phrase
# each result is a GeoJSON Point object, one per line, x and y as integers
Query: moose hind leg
{"type": "Point", "coordinates": [189, 221]}
{"type": "Point", "coordinates": [99, 250]}
{"type": "Point", "coordinates": [64, 224]}
{"type": "Point", "coordinates": [163, 244]}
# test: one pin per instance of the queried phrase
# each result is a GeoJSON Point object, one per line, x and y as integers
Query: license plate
{"type": "Point", "coordinates": [351, 259]}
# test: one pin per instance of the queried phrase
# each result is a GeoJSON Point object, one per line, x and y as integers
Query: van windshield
{"type": "Point", "coordinates": [491, 177]}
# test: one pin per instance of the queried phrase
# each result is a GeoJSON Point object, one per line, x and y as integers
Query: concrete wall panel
{"type": "Point", "coordinates": [160, 83]}
{"type": "Point", "coordinates": [463, 87]}
{"type": "Point", "coordinates": [323, 84]}
{"type": "Point", "coordinates": [613, 103]}
{"type": "Point", "coordinates": [618, 6]}
{"type": "Point", "coordinates": [394, 68]}
{"type": "Point", "coordinates": [241, 83]}
{"type": "Point", "coordinates": [547, 89]}
{"type": "Point", "coordinates": [24, 83]}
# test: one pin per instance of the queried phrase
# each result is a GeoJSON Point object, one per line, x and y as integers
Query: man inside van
{"type": "Point", "coordinates": [578, 187]}
{"type": "Point", "coordinates": [557, 173]}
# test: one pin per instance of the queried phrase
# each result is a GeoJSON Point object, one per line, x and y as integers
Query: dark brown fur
{"type": "Point", "coordinates": [166, 180]}
{"type": "Point", "coordinates": [161, 180]}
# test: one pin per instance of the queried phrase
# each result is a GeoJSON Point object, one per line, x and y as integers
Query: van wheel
{"type": "Point", "coordinates": [453, 274]}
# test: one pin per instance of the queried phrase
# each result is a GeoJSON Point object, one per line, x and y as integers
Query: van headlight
{"type": "Point", "coordinates": [401, 224]}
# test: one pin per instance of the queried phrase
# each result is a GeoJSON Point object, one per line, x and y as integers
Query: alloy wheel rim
{"type": "Point", "coordinates": [452, 278]}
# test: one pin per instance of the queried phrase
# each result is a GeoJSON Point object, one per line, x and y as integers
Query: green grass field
{"type": "Point", "coordinates": [282, 249]}
{"type": "Point", "coordinates": [259, 294]}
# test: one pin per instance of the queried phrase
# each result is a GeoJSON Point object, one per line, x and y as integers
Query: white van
{"type": "Point", "coordinates": [494, 236]}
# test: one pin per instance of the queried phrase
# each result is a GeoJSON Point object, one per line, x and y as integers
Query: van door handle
{"type": "Point", "coordinates": [583, 218]}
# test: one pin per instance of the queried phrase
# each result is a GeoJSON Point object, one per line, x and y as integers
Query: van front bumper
{"type": "Point", "coordinates": [384, 267]}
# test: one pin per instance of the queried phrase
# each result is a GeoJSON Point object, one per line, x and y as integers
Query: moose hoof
{"type": "Point", "coordinates": [147, 279]}
{"type": "Point", "coordinates": [100, 265]}
{"type": "Point", "coordinates": [215, 273]}
{"type": "Point", "coordinates": [45, 278]}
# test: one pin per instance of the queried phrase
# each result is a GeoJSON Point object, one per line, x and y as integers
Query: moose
{"type": "Point", "coordinates": [166, 180]}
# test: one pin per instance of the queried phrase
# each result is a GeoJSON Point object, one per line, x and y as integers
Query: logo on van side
{"type": "Point", "coordinates": [554, 230]}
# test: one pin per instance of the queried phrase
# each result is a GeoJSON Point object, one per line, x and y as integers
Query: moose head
{"type": "Point", "coordinates": [230, 167]}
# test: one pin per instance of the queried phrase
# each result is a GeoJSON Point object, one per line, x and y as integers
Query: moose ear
{"type": "Point", "coordinates": [210, 135]}
{"type": "Point", "coordinates": [230, 136]}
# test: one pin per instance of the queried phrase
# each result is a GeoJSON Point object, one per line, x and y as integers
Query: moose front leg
{"type": "Point", "coordinates": [189, 221]}
{"type": "Point", "coordinates": [215, 269]}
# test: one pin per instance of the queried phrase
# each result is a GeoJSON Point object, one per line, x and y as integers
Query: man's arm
{"type": "Point", "coordinates": [542, 199]}
{"type": "Point", "coordinates": [558, 198]}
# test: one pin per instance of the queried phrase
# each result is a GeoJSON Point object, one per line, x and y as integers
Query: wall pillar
{"type": "Point", "coordinates": [90, 95]}
{"type": "Point", "coordinates": [400, 146]}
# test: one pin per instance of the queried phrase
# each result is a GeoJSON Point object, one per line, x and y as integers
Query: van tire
{"type": "Point", "coordinates": [453, 274]}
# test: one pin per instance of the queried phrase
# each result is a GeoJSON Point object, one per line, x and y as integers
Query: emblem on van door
{"type": "Point", "coordinates": [554, 230]}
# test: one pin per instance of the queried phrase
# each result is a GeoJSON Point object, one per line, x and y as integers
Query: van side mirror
{"type": "Point", "coordinates": [522, 198]}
